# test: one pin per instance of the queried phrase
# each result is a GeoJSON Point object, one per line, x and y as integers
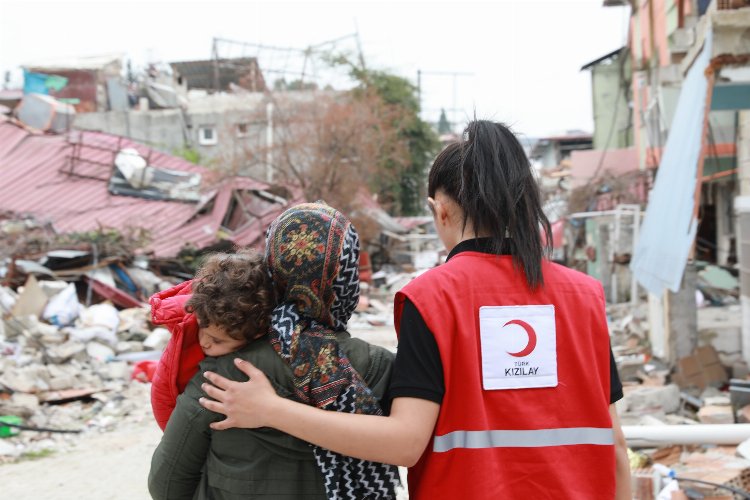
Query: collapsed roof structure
{"type": "Point", "coordinates": [81, 181]}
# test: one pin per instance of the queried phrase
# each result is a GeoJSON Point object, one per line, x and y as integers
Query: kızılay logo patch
{"type": "Point", "coordinates": [532, 338]}
{"type": "Point", "coordinates": [519, 346]}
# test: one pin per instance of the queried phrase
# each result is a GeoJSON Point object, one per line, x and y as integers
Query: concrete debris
{"type": "Point", "coordinates": [678, 415]}
{"type": "Point", "coordinates": [713, 396]}
{"type": "Point", "coordinates": [20, 411]}
{"type": "Point", "coordinates": [157, 340]}
{"type": "Point", "coordinates": [743, 415]}
{"type": "Point", "coordinates": [76, 345]}
{"type": "Point", "coordinates": [716, 414]}
{"type": "Point", "coordinates": [59, 365]}
{"type": "Point", "coordinates": [117, 370]}
{"type": "Point", "coordinates": [702, 369]}
{"type": "Point", "coordinates": [99, 351]}
{"type": "Point", "coordinates": [31, 300]}
{"type": "Point", "coordinates": [715, 467]}
{"type": "Point", "coordinates": [8, 449]}
{"type": "Point", "coordinates": [29, 401]}
{"type": "Point", "coordinates": [66, 351]}
{"type": "Point", "coordinates": [650, 399]}
{"type": "Point", "coordinates": [702, 473]}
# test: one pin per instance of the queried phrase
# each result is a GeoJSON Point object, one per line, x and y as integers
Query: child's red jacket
{"type": "Point", "coordinates": [180, 359]}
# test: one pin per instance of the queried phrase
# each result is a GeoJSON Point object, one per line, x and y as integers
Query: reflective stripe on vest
{"type": "Point", "coordinates": [524, 439]}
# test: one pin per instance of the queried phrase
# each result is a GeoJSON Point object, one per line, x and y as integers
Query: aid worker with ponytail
{"type": "Point", "coordinates": [504, 382]}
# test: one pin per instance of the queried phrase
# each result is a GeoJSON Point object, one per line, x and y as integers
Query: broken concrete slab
{"type": "Point", "coordinates": [31, 300]}
{"type": "Point", "coordinates": [651, 399]}
{"type": "Point", "coordinates": [24, 400]}
{"type": "Point", "coordinates": [718, 400]}
{"type": "Point", "coordinates": [18, 411]}
{"type": "Point", "coordinates": [117, 370]}
{"type": "Point", "coordinates": [62, 382]}
{"type": "Point", "coordinates": [102, 317]}
{"type": "Point", "coordinates": [64, 352]}
{"type": "Point", "coordinates": [128, 346]}
{"type": "Point", "coordinates": [721, 327]}
{"type": "Point", "coordinates": [702, 369]}
{"type": "Point", "coordinates": [716, 414]}
{"type": "Point", "coordinates": [157, 340]}
{"type": "Point", "coordinates": [27, 379]}
{"type": "Point", "coordinates": [99, 351]}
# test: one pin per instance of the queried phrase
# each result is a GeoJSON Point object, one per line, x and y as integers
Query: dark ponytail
{"type": "Point", "coordinates": [489, 176]}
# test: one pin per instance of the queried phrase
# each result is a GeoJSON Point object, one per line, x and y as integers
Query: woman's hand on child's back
{"type": "Point", "coordinates": [245, 404]}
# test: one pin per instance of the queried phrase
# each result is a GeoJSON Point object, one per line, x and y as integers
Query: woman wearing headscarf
{"type": "Point", "coordinates": [504, 383]}
{"type": "Point", "coordinates": [312, 252]}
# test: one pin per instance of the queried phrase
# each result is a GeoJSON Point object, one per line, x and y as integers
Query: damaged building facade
{"type": "Point", "coordinates": [675, 95]}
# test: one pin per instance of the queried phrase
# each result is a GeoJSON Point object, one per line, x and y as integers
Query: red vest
{"type": "Point", "coordinates": [551, 442]}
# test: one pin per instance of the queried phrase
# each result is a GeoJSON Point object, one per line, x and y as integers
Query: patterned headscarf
{"type": "Point", "coordinates": [312, 252]}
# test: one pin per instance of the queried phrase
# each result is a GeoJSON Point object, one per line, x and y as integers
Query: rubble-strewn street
{"type": "Point", "coordinates": [99, 464]}
{"type": "Point", "coordinates": [43, 465]}
{"type": "Point", "coordinates": [611, 137]}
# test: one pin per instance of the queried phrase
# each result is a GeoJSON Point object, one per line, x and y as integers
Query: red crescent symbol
{"type": "Point", "coordinates": [532, 338]}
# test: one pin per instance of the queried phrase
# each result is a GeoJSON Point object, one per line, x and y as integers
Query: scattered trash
{"type": "Point", "coordinates": [144, 371]}
{"type": "Point", "coordinates": [63, 308]}
{"type": "Point", "coordinates": [8, 425]}
{"type": "Point", "coordinates": [718, 278]}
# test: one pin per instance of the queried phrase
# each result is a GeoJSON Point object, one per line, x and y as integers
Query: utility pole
{"type": "Point", "coordinates": [269, 142]}
{"type": "Point", "coordinates": [454, 75]}
{"type": "Point", "coordinates": [419, 89]}
{"type": "Point", "coordinates": [359, 46]}
{"type": "Point", "coordinates": [215, 56]}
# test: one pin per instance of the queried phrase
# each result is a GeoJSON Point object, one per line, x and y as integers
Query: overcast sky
{"type": "Point", "coordinates": [522, 57]}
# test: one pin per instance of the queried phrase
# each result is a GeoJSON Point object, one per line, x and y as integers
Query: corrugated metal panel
{"type": "Point", "coordinates": [669, 227]}
{"type": "Point", "coordinates": [33, 180]}
{"type": "Point", "coordinates": [82, 85]}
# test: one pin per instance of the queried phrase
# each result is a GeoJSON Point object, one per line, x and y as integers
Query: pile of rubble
{"type": "Point", "coordinates": [67, 368]}
{"type": "Point", "coordinates": [74, 327]}
{"type": "Point", "coordinates": [75, 336]}
{"type": "Point", "coordinates": [686, 425]}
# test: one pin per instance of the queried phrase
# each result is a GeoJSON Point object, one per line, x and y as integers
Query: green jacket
{"type": "Point", "coordinates": [194, 462]}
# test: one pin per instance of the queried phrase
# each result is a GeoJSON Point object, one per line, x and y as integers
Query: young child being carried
{"type": "Point", "coordinates": [226, 305]}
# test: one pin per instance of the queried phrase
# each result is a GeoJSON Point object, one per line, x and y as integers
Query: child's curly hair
{"type": "Point", "coordinates": [233, 292]}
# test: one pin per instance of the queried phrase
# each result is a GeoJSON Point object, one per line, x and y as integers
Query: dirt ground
{"type": "Point", "coordinates": [107, 465]}
{"type": "Point", "coordinates": [111, 465]}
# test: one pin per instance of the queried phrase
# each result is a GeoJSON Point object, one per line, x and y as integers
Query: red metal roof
{"type": "Point", "coordinates": [590, 164]}
{"type": "Point", "coordinates": [33, 180]}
